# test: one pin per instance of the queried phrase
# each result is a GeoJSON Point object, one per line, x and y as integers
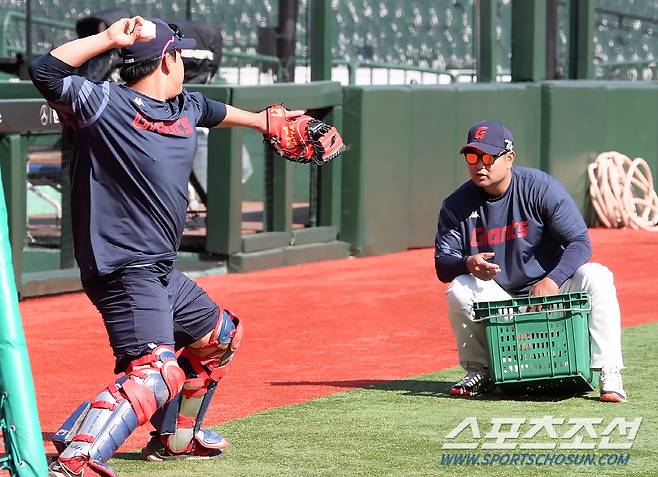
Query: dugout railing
{"type": "Point", "coordinates": [278, 242]}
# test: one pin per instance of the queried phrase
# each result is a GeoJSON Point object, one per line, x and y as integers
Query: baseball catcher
{"type": "Point", "coordinates": [133, 152]}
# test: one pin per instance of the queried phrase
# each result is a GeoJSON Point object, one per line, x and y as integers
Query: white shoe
{"type": "Point", "coordinates": [612, 388]}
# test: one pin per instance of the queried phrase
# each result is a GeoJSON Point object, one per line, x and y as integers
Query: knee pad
{"type": "Point", "coordinates": [93, 433]}
{"type": "Point", "coordinates": [204, 368]}
{"type": "Point", "coordinates": [210, 360]}
{"type": "Point", "coordinates": [151, 381]}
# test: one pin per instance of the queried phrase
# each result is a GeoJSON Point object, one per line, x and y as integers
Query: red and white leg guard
{"type": "Point", "coordinates": [204, 367]}
{"type": "Point", "coordinates": [94, 432]}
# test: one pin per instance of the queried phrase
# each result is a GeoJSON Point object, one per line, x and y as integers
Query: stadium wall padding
{"type": "Point", "coordinates": [18, 90]}
{"type": "Point", "coordinates": [376, 178]}
{"type": "Point", "coordinates": [404, 154]}
{"type": "Point", "coordinates": [581, 119]}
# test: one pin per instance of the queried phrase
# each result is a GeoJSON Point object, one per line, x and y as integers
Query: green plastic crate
{"type": "Point", "coordinates": [537, 351]}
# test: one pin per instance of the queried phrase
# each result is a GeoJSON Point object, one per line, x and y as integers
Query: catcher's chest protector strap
{"type": "Point", "coordinates": [93, 433]}
{"type": "Point", "coordinates": [204, 367]}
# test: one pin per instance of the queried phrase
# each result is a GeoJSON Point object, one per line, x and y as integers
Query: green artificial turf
{"type": "Point", "coordinates": [399, 428]}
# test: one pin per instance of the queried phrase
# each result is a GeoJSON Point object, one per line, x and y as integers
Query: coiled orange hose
{"type": "Point", "coordinates": [621, 192]}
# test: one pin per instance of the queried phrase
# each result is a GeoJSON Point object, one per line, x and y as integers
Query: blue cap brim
{"type": "Point", "coordinates": [483, 147]}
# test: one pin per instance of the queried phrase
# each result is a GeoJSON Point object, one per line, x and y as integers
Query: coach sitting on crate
{"type": "Point", "coordinates": [513, 231]}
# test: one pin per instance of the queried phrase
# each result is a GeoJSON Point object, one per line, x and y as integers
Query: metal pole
{"type": "Point", "coordinates": [581, 42]}
{"type": "Point", "coordinates": [188, 10]}
{"type": "Point", "coordinates": [13, 153]}
{"type": "Point", "coordinates": [321, 40]}
{"type": "Point", "coordinates": [287, 39]}
{"type": "Point", "coordinates": [486, 54]}
{"type": "Point", "coordinates": [551, 39]}
{"type": "Point", "coordinates": [585, 38]}
{"type": "Point", "coordinates": [528, 40]}
{"type": "Point", "coordinates": [23, 68]}
{"type": "Point", "coordinates": [278, 172]}
{"type": "Point", "coordinates": [28, 31]}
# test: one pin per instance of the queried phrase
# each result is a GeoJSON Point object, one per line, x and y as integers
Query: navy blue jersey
{"type": "Point", "coordinates": [534, 229]}
{"type": "Point", "coordinates": [132, 159]}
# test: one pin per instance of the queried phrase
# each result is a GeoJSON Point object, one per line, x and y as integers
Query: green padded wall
{"type": "Point", "coordinates": [376, 167]}
{"type": "Point", "coordinates": [574, 131]}
{"type": "Point", "coordinates": [633, 121]}
{"type": "Point", "coordinates": [18, 90]}
{"type": "Point", "coordinates": [519, 108]}
{"type": "Point", "coordinates": [434, 162]}
{"type": "Point", "coordinates": [475, 102]}
{"type": "Point", "coordinates": [294, 96]}
{"type": "Point", "coordinates": [582, 119]}
{"type": "Point", "coordinates": [410, 137]}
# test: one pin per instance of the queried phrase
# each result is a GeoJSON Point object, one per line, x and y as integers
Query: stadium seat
{"type": "Point", "coordinates": [435, 33]}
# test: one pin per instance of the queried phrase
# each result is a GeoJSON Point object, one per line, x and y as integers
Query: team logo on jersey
{"type": "Point", "coordinates": [481, 237]}
{"type": "Point", "coordinates": [474, 215]}
{"type": "Point", "coordinates": [138, 101]}
{"type": "Point", "coordinates": [180, 127]}
{"type": "Point", "coordinates": [480, 133]}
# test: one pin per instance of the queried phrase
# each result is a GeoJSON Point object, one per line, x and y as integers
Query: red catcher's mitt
{"type": "Point", "coordinates": [302, 138]}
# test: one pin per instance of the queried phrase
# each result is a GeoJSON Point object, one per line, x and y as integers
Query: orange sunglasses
{"type": "Point", "coordinates": [487, 159]}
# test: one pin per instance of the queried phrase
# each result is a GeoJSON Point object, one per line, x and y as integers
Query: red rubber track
{"type": "Point", "coordinates": [310, 330]}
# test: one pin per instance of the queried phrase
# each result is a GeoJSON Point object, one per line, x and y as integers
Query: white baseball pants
{"type": "Point", "coordinates": [593, 278]}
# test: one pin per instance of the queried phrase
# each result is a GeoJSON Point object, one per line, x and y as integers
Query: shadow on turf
{"type": "Point", "coordinates": [439, 389]}
{"type": "Point", "coordinates": [137, 456]}
{"type": "Point", "coordinates": [50, 456]}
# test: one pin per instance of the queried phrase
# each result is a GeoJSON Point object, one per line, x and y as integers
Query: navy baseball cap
{"type": "Point", "coordinates": [166, 39]}
{"type": "Point", "coordinates": [490, 137]}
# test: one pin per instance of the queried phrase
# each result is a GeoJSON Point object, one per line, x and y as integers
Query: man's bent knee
{"type": "Point", "coordinates": [221, 342]}
{"type": "Point", "coordinates": [594, 273]}
{"type": "Point", "coordinates": [460, 292]}
{"type": "Point", "coordinates": [151, 381]}
{"type": "Point", "coordinates": [205, 363]}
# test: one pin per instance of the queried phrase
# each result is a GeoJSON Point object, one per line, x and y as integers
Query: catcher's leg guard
{"type": "Point", "coordinates": [178, 424]}
{"type": "Point", "coordinates": [96, 430]}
